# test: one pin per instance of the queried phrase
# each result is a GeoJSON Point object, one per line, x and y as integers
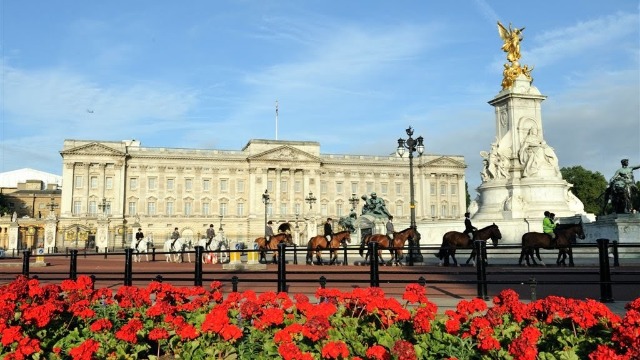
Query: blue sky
{"type": "Point", "coordinates": [352, 75]}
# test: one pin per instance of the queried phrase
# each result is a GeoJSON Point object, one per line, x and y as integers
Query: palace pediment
{"type": "Point", "coordinates": [444, 161]}
{"type": "Point", "coordinates": [93, 149]}
{"type": "Point", "coordinates": [284, 153]}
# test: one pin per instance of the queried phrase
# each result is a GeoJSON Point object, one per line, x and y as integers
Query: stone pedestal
{"type": "Point", "coordinates": [50, 229]}
{"type": "Point", "coordinates": [102, 235]}
{"type": "Point", "coordinates": [13, 236]}
{"type": "Point", "coordinates": [624, 228]}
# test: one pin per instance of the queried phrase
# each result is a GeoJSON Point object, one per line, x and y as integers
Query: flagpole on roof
{"type": "Point", "coordinates": [276, 119]}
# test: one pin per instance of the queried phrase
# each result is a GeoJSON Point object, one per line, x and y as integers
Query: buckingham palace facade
{"type": "Point", "coordinates": [121, 185]}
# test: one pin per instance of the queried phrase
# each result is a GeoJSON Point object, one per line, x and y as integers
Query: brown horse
{"type": "Point", "coordinates": [453, 240]}
{"type": "Point", "coordinates": [319, 243]}
{"type": "Point", "coordinates": [272, 245]}
{"type": "Point", "coordinates": [533, 241]}
{"type": "Point", "coordinates": [395, 245]}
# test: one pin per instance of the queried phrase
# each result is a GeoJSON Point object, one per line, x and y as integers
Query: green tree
{"type": "Point", "coordinates": [588, 186]}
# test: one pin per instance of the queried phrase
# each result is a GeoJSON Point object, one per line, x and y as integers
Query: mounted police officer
{"type": "Point", "coordinates": [211, 233]}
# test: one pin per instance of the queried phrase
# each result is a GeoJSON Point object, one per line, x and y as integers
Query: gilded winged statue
{"type": "Point", "coordinates": [511, 38]}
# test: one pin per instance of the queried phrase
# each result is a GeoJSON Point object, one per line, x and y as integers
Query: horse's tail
{"type": "Point", "coordinates": [309, 251]}
{"type": "Point", "coordinates": [442, 252]}
{"type": "Point", "coordinates": [362, 245]}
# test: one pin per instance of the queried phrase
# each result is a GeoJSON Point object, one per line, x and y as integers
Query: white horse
{"type": "Point", "coordinates": [174, 249]}
{"type": "Point", "coordinates": [140, 247]}
{"type": "Point", "coordinates": [219, 247]}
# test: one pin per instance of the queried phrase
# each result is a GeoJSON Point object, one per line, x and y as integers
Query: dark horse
{"type": "Point", "coordinates": [319, 243]}
{"type": "Point", "coordinates": [453, 240]}
{"type": "Point", "coordinates": [395, 245]}
{"type": "Point", "coordinates": [272, 245]}
{"type": "Point", "coordinates": [533, 241]}
{"type": "Point", "coordinates": [620, 203]}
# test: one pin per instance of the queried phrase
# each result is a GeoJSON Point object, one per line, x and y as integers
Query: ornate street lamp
{"type": "Point", "coordinates": [354, 201]}
{"type": "Point", "coordinates": [265, 200]}
{"type": "Point", "coordinates": [104, 206]}
{"type": "Point", "coordinates": [412, 145]}
{"type": "Point", "coordinates": [310, 200]}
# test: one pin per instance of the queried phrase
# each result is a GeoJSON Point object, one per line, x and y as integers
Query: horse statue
{"type": "Point", "coordinates": [453, 240]}
{"type": "Point", "coordinates": [533, 241]}
{"type": "Point", "coordinates": [272, 245]}
{"type": "Point", "coordinates": [141, 247]}
{"type": "Point", "coordinates": [394, 245]}
{"type": "Point", "coordinates": [618, 197]}
{"type": "Point", "coordinates": [174, 249]}
{"type": "Point", "coordinates": [216, 250]}
{"type": "Point", "coordinates": [319, 243]}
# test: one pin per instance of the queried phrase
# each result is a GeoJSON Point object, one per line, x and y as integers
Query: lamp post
{"type": "Point", "coordinates": [354, 201]}
{"type": "Point", "coordinates": [265, 200]}
{"type": "Point", "coordinates": [310, 200]}
{"type": "Point", "coordinates": [104, 206]}
{"type": "Point", "coordinates": [412, 145]}
{"type": "Point", "coordinates": [221, 217]}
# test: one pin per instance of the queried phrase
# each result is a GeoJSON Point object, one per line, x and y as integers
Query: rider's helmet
{"type": "Point", "coordinates": [624, 162]}
{"type": "Point", "coordinates": [546, 214]}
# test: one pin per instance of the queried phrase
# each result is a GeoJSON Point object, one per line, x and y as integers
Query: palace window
{"type": "Point", "coordinates": [454, 189]}
{"type": "Point", "coordinates": [151, 208]}
{"type": "Point", "coordinates": [398, 189]}
{"type": "Point", "coordinates": [169, 208]}
{"type": "Point", "coordinates": [323, 187]}
{"type": "Point", "coordinates": [354, 187]}
{"type": "Point", "coordinates": [324, 209]}
{"type": "Point", "coordinates": [284, 184]}
{"type": "Point", "coordinates": [206, 209]}
{"type": "Point", "coordinates": [384, 188]}
{"type": "Point", "coordinates": [153, 183]}
{"type": "Point", "coordinates": [78, 182]}
{"type": "Point", "coordinates": [240, 185]}
{"type": "Point", "coordinates": [339, 209]}
{"type": "Point", "coordinates": [132, 208]}
{"type": "Point", "coordinates": [206, 185]}
{"type": "Point", "coordinates": [369, 187]}
{"type": "Point", "coordinates": [283, 209]}
{"type": "Point", "coordinates": [339, 187]}
{"type": "Point", "coordinates": [108, 182]}
{"type": "Point", "coordinates": [188, 208]}
{"type": "Point", "coordinates": [77, 207]}
{"type": "Point", "coordinates": [188, 184]}
{"type": "Point", "coordinates": [94, 182]}
{"type": "Point", "coordinates": [240, 209]}
{"type": "Point", "coordinates": [432, 188]}
{"type": "Point", "coordinates": [133, 184]}
{"type": "Point", "coordinates": [443, 189]}
{"type": "Point", "coordinates": [223, 208]}
{"type": "Point", "coordinates": [171, 183]}
{"type": "Point", "coordinates": [297, 186]}
{"type": "Point", "coordinates": [224, 185]}
{"type": "Point", "coordinates": [433, 211]}
{"type": "Point", "coordinates": [92, 208]}
{"type": "Point", "coordinates": [399, 210]}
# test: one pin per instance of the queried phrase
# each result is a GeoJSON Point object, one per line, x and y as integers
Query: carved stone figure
{"type": "Point", "coordinates": [534, 153]}
{"type": "Point", "coordinates": [496, 164]}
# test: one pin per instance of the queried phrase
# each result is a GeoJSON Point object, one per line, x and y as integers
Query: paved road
{"type": "Point", "coordinates": [445, 285]}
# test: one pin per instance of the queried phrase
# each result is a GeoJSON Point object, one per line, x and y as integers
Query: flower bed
{"type": "Point", "coordinates": [74, 321]}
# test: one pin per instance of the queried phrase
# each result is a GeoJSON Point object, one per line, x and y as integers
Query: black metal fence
{"type": "Point", "coordinates": [608, 256]}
